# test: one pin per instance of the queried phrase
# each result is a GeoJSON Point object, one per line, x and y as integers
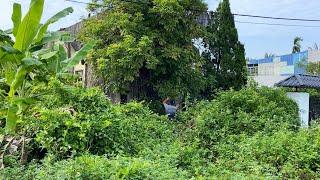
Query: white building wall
{"type": "Point", "coordinates": [269, 80]}
{"type": "Point", "coordinates": [302, 99]}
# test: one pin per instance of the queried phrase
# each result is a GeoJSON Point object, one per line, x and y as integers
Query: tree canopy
{"type": "Point", "coordinates": [148, 43]}
{"type": "Point", "coordinates": [297, 44]}
{"type": "Point", "coordinates": [225, 54]}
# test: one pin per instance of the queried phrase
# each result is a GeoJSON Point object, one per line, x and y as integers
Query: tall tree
{"type": "Point", "coordinates": [147, 44]}
{"type": "Point", "coordinates": [225, 54]}
{"type": "Point", "coordinates": [297, 44]}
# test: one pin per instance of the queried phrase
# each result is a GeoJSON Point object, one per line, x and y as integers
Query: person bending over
{"type": "Point", "coordinates": [170, 107]}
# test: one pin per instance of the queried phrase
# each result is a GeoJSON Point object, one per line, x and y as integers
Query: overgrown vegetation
{"type": "Point", "coordinates": [56, 129]}
{"type": "Point", "coordinates": [247, 133]}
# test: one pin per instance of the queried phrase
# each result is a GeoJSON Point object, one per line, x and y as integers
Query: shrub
{"type": "Point", "coordinates": [71, 121]}
{"type": "Point", "coordinates": [133, 128]}
{"type": "Point", "coordinates": [285, 154]}
{"type": "Point", "coordinates": [96, 167]}
{"type": "Point", "coordinates": [247, 111]}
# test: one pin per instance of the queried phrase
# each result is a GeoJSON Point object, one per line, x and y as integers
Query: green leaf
{"type": "Point", "coordinates": [18, 80]}
{"type": "Point", "coordinates": [30, 62]}
{"type": "Point", "coordinates": [16, 18]}
{"type": "Point", "coordinates": [29, 26]}
{"type": "Point", "coordinates": [80, 55]}
{"type": "Point", "coordinates": [12, 118]}
{"type": "Point", "coordinates": [49, 55]}
{"type": "Point", "coordinates": [24, 100]}
{"type": "Point", "coordinates": [9, 49]}
{"type": "Point", "coordinates": [62, 53]}
{"type": "Point", "coordinates": [53, 19]}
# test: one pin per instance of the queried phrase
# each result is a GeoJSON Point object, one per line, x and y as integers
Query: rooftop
{"type": "Point", "coordinates": [301, 81]}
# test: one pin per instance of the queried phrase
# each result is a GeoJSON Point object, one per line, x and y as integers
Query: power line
{"type": "Point", "coordinates": [276, 24]}
{"type": "Point", "coordinates": [86, 3]}
{"type": "Point", "coordinates": [235, 14]}
{"type": "Point", "coordinates": [277, 18]}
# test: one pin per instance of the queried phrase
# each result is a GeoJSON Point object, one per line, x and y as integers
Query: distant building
{"type": "Point", "coordinates": [269, 71]}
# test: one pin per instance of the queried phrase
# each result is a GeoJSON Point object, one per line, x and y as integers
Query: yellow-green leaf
{"type": "Point", "coordinates": [16, 18]}
{"type": "Point", "coordinates": [29, 26]}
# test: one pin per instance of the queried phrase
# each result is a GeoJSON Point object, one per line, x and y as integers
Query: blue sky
{"type": "Point", "coordinates": [258, 39]}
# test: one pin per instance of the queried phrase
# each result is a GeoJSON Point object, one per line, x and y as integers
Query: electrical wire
{"type": "Point", "coordinates": [277, 18]}
{"type": "Point", "coordinates": [235, 14]}
{"type": "Point", "coordinates": [276, 24]}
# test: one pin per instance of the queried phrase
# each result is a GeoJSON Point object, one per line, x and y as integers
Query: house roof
{"type": "Point", "coordinates": [300, 81]}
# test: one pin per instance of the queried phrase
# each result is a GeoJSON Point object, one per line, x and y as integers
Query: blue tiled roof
{"type": "Point", "coordinates": [301, 81]}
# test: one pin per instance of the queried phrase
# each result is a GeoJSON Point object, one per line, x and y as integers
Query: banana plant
{"type": "Point", "coordinates": [20, 59]}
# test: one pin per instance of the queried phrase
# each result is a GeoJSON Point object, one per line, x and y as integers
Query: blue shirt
{"type": "Point", "coordinates": [170, 110]}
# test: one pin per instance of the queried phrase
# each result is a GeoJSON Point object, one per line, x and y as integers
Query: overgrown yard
{"type": "Point", "coordinates": [54, 128]}
{"type": "Point", "coordinates": [78, 133]}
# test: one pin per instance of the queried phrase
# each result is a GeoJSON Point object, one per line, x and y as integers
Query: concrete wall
{"type": "Point", "coordinates": [269, 81]}
{"type": "Point", "coordinates": [302, 99]}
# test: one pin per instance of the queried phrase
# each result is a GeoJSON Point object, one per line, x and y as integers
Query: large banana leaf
{"type": "Point", "coordinates": [80, 55]}
{"type": "Point", "coordinates": [53, 19]}
{"type": "Point", "coordinates": [16, 18]}
{"type": "Point", "coordinates": [12, 118]}
{"type": "Point", "coordinates": [29, 26]}
{"type": "Point", "coordinates": [21, 73]}
{"type": "Point", "coordinates": [18, 80]}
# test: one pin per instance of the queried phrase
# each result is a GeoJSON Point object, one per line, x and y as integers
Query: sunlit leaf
{"type": "Point", "coordinates": [29, 26]}
{"type": "Point", "coordinates": [16, 18]}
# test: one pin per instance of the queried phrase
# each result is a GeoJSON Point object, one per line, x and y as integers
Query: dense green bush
{"type": "Point", "coordinates": [97, 167]}
{"type": "Point", "coordinates": [285, 154]}
{"type": "Point", "coordinates": [71, 121]}
{"type": "Point", "coordinates": [247, 111]}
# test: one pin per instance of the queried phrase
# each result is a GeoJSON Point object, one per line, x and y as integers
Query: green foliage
{"type": "Point", "coordinates": [71, 121]}
{"type": "Point", "coordinates": [95, 167]}
{"type": "Point", "coordinates": [225, 55]}
{"type": "Point", "coordinates": [247, 112]}
{"type": "Point", "coordinates": [284, 154]}
{"type": "Point", "coordinates": [29, 26]}
{"type": "Point", "coordinates": [297, 45]}
{"type": "Point", "coordinates": [24, 63]}
{"type": "Point", "coordinates": [150, 43]}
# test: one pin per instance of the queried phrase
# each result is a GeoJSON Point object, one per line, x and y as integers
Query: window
{"type": "Point", "coordinates": [253, 69]}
